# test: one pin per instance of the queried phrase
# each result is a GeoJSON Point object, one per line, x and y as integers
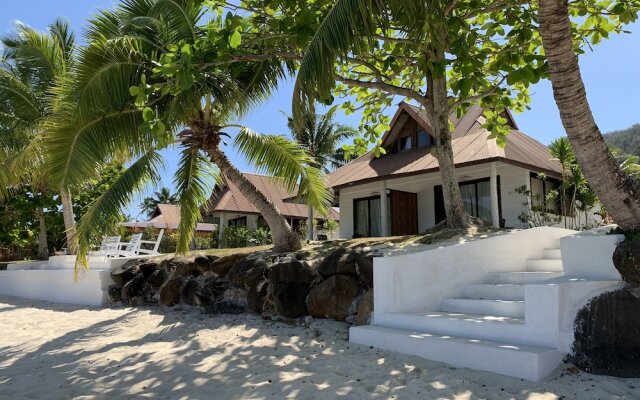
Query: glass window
{"type": "Point", "coordinates": [367, 217]}
{"type": "Point", "coordinates": [405, 143]}
{"type": "Point", "coordinates": [424, 139]}
{"type": "Point", "coordinates": [540, 198]}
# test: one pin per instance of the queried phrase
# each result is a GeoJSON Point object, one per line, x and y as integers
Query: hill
{"type": "Point", "coordinates": [627, 140]}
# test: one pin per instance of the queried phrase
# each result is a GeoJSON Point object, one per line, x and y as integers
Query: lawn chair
{"type": "Point", "coordinates": [130, 248]}
{"type": "Point", "coordinates": [156, 244]}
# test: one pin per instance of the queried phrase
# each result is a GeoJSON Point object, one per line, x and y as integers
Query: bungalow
{"type": "Point", "coordinates": [167, 216]}
{"type": "Point", "coordinates": [229, 207]}
{"type": "Point", "coordinates": [400, 193]}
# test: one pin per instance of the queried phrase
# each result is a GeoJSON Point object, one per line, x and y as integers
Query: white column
{"type": "Point", "coordinates": [309, 223]}
{"type": "Point", "coordinates": [384, 218]}
{"type": "Point", "coordinates": [221, 226]}
{"type": "Point", "coordinates": [527, 183]}
{"type": "Point", "coordinates": [493, 188]}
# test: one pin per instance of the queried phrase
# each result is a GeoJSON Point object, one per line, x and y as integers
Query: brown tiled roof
{"type": "Point", "coordinates": [229, 198]}
{"type": "Point", "coordinates": [167, 216]}
{"type": "Point", "coordinates": [470, 146]}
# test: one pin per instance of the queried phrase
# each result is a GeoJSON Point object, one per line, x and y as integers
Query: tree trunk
{"type": "Point", "coordinates": [284, 239]}
{"type": "Point", "coordinates": [618, 192]}
{"type": "Point", "coordinates": [438, 113]}
{"type": "Point", "coordinates": [309, 222]}
{"type": "Point", "coordinates": [43, 245]}
{"type": "Point", "coordinates": [69, 220]}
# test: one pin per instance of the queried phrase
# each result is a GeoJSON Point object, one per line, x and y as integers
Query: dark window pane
{"type": "Point", "coordinates": [424, 139]}
{"type": "Point", "coordinates": [405, 143]}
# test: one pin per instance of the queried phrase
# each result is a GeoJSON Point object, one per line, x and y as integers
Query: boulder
{"type": "Point", "coordinates": [202, 264]}
{"type": "Point", "coordinates": [364, 267]}
{"type": "Point", "coordinates": [158, 277]}
{"type": "Point", "coordinates": [607, 334]}
{"type": "Point", "coordinates": [171, 292]}
{"type": "Point", "coordinates": [115, 293]}
{"type": "Point", "coordinates": [256, 296]}
{"type": "Point", "coordinates": [211, 289]}
{"type": "Point", "coordinates": [340, 261]}
{"type": "Point", "coordinates": [183, 267]}
{"type": "Point", "coordinates": [365, 309]}
{"type": "Point", "coordinates": [125, 272]}
{"type": "Point", "coordinates": [292, 271]}
{"type": "Point", "coordinates": [222, 265]}
{"type": "Point", "coordinates": [333, 297]}
{"type": "Point", "coordinates": [626, 258]}
{"type": "Point", "coordinates": [290, 299]}
{"type": "Point", "coordinates": [148, 268]}
{"type": "Point", "coordinates": [190, 293]}
{"type": "Point", "coordinates": [133, 288]}
{"type": "Point", "coordinates": [247, 273]}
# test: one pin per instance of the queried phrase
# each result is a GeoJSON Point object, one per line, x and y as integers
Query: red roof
{"type": "Point", "coordinates": [471, 145]}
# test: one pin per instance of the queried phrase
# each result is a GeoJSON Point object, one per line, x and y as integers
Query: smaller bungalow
{"type": "Point", "coordinates": [229, 207]}
{"type": "Point", "coordinates": [400, 192]}
{"type": "Point", "coordinates": [167, 216]}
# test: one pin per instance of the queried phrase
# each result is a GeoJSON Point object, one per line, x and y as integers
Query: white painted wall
{"type": "Point", "coordinates": [419, 281]}
{"type": "Point", "coordinates": [588, 254]}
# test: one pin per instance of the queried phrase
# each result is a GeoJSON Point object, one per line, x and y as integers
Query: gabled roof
{"type": "Point", "coordinates": [471, 145]}
{"type": "Point", "coordinates": [167, 216]}
{"type": "Point", "coordinates": [229, 198]}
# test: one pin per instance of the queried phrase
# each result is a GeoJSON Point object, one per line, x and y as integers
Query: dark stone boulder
{"type": "Point", "coordinates": [364, 267]}
{"type": "Point", "coordinates": [333, 297]}
{"type": "Point", "coordinates": [222, 265]}
{"type": "Point", "coordinates": [148, 268]}
{"type": "Point", "coordinates": [341, 261]}
{"type": "Point", "coordinates": [170, 293]}
{"type": "Point", "coordinates": [190, 293]}
{"type": "Point", "coordinates": [158, 277]}
{"type": "Point", "coordinates": [292, 271]}
{"type": "Point", "coordinates": [626, 258]}
{"type": "Point", "coordinates": [133, 288]}
{"type": "Point", "coordinates": [183, 267]}
{"type": "Point", "coordinates": [607, 334]}
{"type": "Point", "coordinates": [203, 264]}
{"type": "Point", "coordinates": [256, 297]}
{"type": "Point", "coordinates": [211, 289]}
{"type": "Point", "coordinates": [247, 273]}
{"type": "Point", "coordinates": [365, 309]}
{"type": "Point", "coordinates": [125, 272]}
{"type": "Point", "coordinates": [115, 293]}
{"type": "Point", "coordinates": [290, 299]}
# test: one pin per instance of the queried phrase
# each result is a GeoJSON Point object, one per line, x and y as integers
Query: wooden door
{"type": "Point", "coordinates": [404, 213]}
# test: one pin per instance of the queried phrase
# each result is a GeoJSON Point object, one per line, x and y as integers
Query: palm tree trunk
{"type": "Point", "coordinates": [69, 220]}
{"type": "Point", "coordinates": [309, 222]}
{"type": "Point", "coordinates": [618, 192]}
{"type": "Point", "coordinates": [284, 239]}
{"type": "Point", "coordinates": [457, 217]}
{"type": "Point", "coordinates": [43, 245]}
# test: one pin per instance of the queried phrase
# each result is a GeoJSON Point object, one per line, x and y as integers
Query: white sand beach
{"type": "Point", "coordinates": [52, 351]}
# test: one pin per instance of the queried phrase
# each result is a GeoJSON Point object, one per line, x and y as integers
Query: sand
{"type": "Point", "coordinates": [52, 351]}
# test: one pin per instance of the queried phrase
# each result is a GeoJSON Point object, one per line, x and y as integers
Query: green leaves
{"type": "Point", "coordinates": [235, 39]}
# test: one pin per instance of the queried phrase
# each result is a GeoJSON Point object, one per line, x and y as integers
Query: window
{"type": "Point", "coordinates": [367, 217]}
{"type": "Point", "coordinates": [406, 142]}
{"type": "Point", "coordinates": [476, 199]}
{"type": "Point", "coordinates": [424, 139]}
{"type": "Point", "coordinates": [242, 221]}
{"type": "Point", "coordinates": [542, 198]}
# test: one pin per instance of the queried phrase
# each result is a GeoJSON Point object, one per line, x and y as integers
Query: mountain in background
{"type": "Point", "coordinates": [627, 140]}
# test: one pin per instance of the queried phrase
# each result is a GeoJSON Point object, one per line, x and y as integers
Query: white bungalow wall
{"type": "Point", "coordinates": [511, 177]}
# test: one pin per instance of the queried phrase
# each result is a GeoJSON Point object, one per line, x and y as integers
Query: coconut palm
{"type": "Point", "coordinates": [32, 63]}
{"type": "Point", "coordinates": [164, 196]}
{"type": "Point", "coordinates": [321, 135]}
{"type": "Point", "coordinates": [140, 80]}
{"type": "Point", "coordinates": [617, 191]}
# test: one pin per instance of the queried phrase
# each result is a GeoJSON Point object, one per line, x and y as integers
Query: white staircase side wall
{"type": "Point", "coordinates": [57, 286]}
{"type": "Point", "coordinates": [421, 280]}
{"type": "Point", "coordinates": [588, 254]}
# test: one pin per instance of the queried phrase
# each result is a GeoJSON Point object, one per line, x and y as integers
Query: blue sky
{"type": "Point", "coordinates": [610, 73]}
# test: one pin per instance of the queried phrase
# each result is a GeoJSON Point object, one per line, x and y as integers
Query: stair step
{"type": "Point", "coordinates": [520, 278]}
{"type": "Point", "coordinates": [494, 292]}
{"type": "Point", "coordinates": [552, 253]}
{"type": "Point", "coordinates": [545, 265]}
{"type": "Point", "coordinates": [525, 362]}
{"type": "Point", "coordinates": [500, 308]}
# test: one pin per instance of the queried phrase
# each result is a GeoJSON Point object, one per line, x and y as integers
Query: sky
{"type": "Point", "coordinates": [610, 74]}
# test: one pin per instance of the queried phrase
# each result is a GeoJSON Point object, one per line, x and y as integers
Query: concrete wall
{"type": "Point", "coordinates": [419, 281]}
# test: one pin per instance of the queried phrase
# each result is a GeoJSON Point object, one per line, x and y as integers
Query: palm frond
{"type": "Point", "coordinates": [194, 180]}
{"type": "Point", "coordinates": [289, 162]}
{"type": "Point", "coordinates": [103, 211]}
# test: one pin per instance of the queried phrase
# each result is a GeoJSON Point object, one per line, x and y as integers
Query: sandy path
{"type": "Point", "coordinates": [50, 351]}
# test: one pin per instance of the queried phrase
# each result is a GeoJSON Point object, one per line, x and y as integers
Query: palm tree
{"type": "Point", "coordinates": [321, 135]}
{"type": "Point", "coordinates": [164, 196]}
{"type": "Point", "coordinates": [560, 150]}
{"type": "Point", "coordinates": [140, 80]}
{"type": "Point", "coordinates": [32, 63]}
{"type": "Point", "coordinates": [617, 191]}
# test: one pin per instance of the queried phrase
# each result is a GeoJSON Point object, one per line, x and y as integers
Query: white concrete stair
{"type": "Point", "coordinates": [526, 362]}
{"type": "Point", "coordinates": [500, 308]}
{"type": "Point", "coordinates": [520, 278]}
{"type": "Point", "coordinates": [552, 253]}
{"type": "Point", "coordinates": [503, 291]}
{"type": "Point", "coordinates": [544, 265]}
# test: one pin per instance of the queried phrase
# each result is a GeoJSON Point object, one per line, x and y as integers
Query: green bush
{"type": "Point", "coordinates": [241, 236]}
